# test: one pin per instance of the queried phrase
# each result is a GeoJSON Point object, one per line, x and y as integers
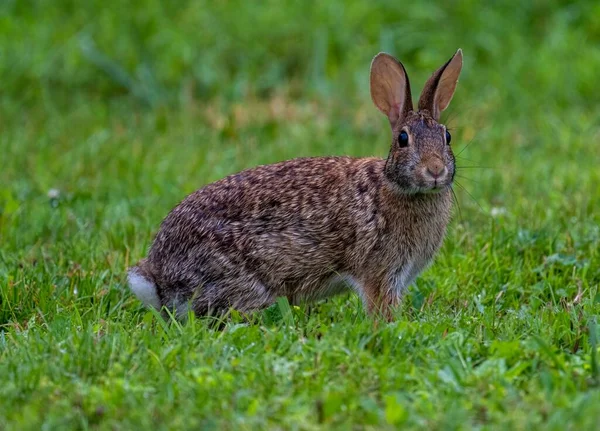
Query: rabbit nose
{"type": "Point", "coordinates": [436, 169]}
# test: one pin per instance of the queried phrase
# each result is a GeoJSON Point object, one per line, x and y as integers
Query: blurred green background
{"type": "Point", "coordinates": [112, 111]}
{"type": "Point", "coordinates": [160, 53]}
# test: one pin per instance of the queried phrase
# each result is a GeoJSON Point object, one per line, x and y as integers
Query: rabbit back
{"type": "Point", "coordinates": [276, 230]}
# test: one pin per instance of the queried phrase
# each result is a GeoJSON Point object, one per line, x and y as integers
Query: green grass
{"type": "Point", "coordinates": [111, 114]}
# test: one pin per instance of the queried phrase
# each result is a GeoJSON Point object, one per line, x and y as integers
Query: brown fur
{"type": "Point", "coordinates": [299, 228]}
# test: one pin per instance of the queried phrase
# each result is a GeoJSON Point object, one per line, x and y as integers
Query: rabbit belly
{"type": "Point", "coordinates": [243, 292]}
{"type": "Point", "coordinates": [331, 286]}
{"type": "Point", "coordinates": [342, 283]}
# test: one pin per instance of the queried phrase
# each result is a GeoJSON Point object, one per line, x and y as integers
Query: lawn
{"type": "Point", "coordinates": [110, 113]}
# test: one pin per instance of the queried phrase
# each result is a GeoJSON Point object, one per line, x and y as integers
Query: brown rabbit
{"type": "Point", "coordinates": [309, 228]}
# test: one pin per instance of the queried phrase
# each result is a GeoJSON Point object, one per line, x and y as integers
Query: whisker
{"type": "Point", "coordinates": [467, 178]}
{"type": "Point", "coordinates": [461, 159]}
{"type": "Point", "coordinates": [464, 111]}
{"type": "Point", "coordinates": [465, 147]}
{"type": "Point", "coordinates": [457, 204]}
{"type": "Point", "coordinates": [470, 195]}
{"type": "Point", "coordinates": [451, 116]}
{"type": "Point", "coordinates": [476, 167]}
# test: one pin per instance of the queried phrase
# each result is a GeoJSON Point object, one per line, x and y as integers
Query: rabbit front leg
{"type": "Point", "coordinates": [380, 298]}
{"type": "Point", "coordinates": [382, 295]}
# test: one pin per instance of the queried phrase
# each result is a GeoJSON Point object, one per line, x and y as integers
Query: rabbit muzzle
{"type": "Point", "coordinates": [434, 175]}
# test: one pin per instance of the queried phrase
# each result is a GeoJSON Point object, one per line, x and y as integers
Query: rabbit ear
{"type": "Point", "coordinates": [439, 89]}
{"type": "Point", "coordinates": [390, 89]}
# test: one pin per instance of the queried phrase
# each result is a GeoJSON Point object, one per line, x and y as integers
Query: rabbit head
{"type": "Point", "coordinates": [421, 158]}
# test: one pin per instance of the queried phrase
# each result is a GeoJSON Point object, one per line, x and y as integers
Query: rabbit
{"type": "Point", "coordinates": [310, 228]}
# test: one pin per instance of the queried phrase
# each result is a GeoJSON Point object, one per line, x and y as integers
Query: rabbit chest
{"type": "Point", "coordinates": [409, 238]}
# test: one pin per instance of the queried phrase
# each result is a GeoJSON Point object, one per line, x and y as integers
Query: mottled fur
{"type": "Point", "coordinates": [308, 228]}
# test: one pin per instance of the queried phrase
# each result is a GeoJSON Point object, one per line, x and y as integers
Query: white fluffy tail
{"type": "Point", "coordinates": [143, 288]}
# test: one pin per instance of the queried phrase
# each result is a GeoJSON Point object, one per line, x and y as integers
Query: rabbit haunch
{"type": "Point", "coordinates": [309, 228]}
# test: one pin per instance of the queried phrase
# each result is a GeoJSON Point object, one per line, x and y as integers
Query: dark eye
{"type": "Point", "coordinates": [403, 139]}
{"type": "Point", "coordinates": [448, 137]}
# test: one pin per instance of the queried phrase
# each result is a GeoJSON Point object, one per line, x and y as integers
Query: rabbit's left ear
{"type": "Point", "coordinates": [439, 89]}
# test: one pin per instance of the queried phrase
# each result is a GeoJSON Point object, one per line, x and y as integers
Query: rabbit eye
{"type": "Point", "coordinates": [448, 137]}
{"type": "Point", "coordinates": [403, 139]}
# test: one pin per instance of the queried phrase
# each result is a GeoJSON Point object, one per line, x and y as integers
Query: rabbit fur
{"type": "Point", "coordinates": [309, 228]}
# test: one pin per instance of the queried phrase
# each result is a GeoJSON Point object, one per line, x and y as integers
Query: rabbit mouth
{"type": "Point", "coordinates": [429, 184]}
{"type": "Point", "coordinates": [436, 187]}
{"type": "Point", "coordinates": [434, 182]}
{"type": "Point", "coordinates": [426, 188]}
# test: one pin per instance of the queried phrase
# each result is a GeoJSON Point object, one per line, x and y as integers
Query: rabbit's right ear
{"type": "Point", "coordinates": [390, 89]}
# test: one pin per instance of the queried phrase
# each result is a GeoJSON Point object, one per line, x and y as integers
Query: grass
{"type": "Point", "coordinates": [111, 114]}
